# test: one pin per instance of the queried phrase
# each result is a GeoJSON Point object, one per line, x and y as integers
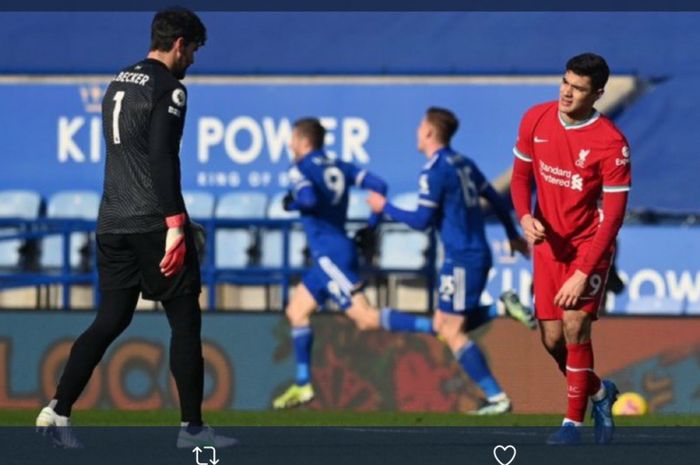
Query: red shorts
{"type": "Point", "coordinates": [549, 276]}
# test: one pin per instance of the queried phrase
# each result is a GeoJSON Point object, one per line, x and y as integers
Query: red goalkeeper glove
{"type": "Point", "coordinates": [175, 248]}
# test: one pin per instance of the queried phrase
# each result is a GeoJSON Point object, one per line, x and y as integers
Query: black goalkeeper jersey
{"type": "Point", "coordinates": [143, 114]}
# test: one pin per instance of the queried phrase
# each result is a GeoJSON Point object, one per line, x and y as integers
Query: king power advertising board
{"type": "Point", "coordinates": [236, 135]}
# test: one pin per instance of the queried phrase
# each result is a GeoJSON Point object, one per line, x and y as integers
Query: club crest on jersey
{"type": "Point", "coordinates": [179, 97]}
{"type": "Point", "coordinates": [582, 155]}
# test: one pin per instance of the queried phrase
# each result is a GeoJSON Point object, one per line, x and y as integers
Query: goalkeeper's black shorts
{"type": "Point", "coordinates": [129, 260]}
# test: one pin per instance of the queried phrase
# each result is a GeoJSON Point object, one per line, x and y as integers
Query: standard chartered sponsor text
{"type": "Point", "coordinates": [555, 175]}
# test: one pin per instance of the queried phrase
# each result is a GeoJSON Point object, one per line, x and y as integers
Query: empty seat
{"type": "Point", "coordinates": [402, 247]}
{"type": "Point", "coordinates": [20, 204]}
{"type": "Point", "coordinates": [358, 209]}
{"type": "Point", "coordinates": [69, 205]}
{"type": "Point", "coordinates": [272, 240]}
{"type": "Point", "coordinates": [233, 245]}
{"type": "Point", "coordinates": [199, 204]}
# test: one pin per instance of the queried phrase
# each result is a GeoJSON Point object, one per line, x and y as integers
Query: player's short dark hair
{"type": "Point", "coordinates": [172, 23]}
{"type": "Point", "coordinates": [444, 121]}
{"type": "Point", "coordinates": [591, 65]}
{"type": "Point", "coordinates": [312, 129]}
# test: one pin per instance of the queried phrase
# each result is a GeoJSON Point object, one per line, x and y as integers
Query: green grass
{"type": "Point", "coordinates": [316, 418]}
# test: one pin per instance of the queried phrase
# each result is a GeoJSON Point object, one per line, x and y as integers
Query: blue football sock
{"type": "Point", "coordinates": [481, 315]}
{"type": "Point", "coordinates": [394, 320]}
{"type": "Point", "coordinates": [303, 339]}
{"type": "Point", "coordinates": [474, 364]}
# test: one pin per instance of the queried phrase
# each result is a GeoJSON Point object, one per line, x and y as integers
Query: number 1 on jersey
{"type": "Point", "coordinates": [118, 97]}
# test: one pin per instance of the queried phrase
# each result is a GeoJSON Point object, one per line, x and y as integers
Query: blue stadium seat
{"type": "Point", "coordinates": [16, 204]}
{"type": "Point", "coordinates": [69, 205]}
{"type": "Point", "coordinates": [358, 209]}
{"type": "Point", "coordinates": [232, 245]}
{"type": "Point", "coordinates": [272, 240]}
{"type": "Point", "coordinates": [199, 204]}
{"type": "Point", "coordinates": [401, 247]}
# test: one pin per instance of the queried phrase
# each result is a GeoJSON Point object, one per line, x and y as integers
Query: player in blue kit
{"type": "Point", "coordinates": [450, 187]}
{"type": "Point", "coordinates": [320, 190]}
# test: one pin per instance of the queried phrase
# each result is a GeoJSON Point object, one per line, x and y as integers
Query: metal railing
{"type": "Point", "coordinates": [66, 275]}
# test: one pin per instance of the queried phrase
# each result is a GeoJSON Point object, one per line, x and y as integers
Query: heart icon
{"type": "Point", "coordinates": [504, 451]}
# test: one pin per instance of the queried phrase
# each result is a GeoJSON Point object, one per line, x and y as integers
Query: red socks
{"type": "Point", "coordinates": [580, 378]}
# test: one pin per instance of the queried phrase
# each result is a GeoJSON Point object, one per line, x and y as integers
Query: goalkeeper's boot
{"type": "Point", "coordinates": [57, 428]}
{"type": "Point", "coordinates": [604, 426]}
{"type": "Point", "coordinates": [190, 437]}
{"type": "Point", "coordinates": [567, 435]}
{"type": "Point", "coordinates": [496, 407]}
{"type": "Point", "coordinates": [516, 310]}
{"type": "Point", "coordinates": [293, 396]}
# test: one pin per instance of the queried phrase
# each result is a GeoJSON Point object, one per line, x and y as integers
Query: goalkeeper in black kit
{"type": "Point", "coordinates": [145, 240]}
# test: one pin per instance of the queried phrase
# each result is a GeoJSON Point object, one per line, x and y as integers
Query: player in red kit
{"type": "Point", "coordinates": [577, 157]}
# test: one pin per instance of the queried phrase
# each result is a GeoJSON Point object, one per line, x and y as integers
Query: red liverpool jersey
{"type": "Point", "coordinates": [572, 166]}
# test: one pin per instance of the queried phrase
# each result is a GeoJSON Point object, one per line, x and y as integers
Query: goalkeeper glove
{"type": "Point", "coordinates": [175, 248]}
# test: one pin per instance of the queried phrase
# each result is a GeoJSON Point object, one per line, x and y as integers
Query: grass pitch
{"type": "Point", "coordinates": [305, 417]}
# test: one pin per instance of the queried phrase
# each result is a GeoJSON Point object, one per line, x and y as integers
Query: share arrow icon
{"type": "Point", "coordinates": [214, 460]}
{"type": "Point", "coordinates": [197, 451]}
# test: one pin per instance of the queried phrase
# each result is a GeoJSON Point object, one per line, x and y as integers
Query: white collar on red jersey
{"type": "Point", "coordinates": [581, 124]}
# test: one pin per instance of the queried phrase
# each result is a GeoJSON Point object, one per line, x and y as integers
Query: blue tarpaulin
{"type": "Point", "coordinates": [661, 128]}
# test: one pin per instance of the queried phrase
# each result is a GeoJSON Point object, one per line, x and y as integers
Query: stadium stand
{"type": "Point", "coordinates": [401, 247]}
{"type": "Point", "coordinates": [272, 241]}
{"type": "Point", "coordinates": [248, 84]}
{"type": "Point", "coordinates": [14, 204]}
{"type": "Point", "coordinates": [68, 205]}
{"type": "Point", "coordinates": [358, 209]}
{"type": "Point", "coordinates": [199, 204]}
{"type": "Point", "coordinates": [237, 248]}
{"type": "Point", "coordinates": [404, 261]}
{"type": "Point", "coordinates": [651, 105]}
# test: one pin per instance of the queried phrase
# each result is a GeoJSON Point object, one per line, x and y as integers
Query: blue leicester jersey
{"type": "Point", "coordinates": [452, 184]}
{"type": "Point", "coordinates": [331, 180]}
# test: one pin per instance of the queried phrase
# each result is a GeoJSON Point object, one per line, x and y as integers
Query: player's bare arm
{"type": "Point", "coordinates": [376, 201]}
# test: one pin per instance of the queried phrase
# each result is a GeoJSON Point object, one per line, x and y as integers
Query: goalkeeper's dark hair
{"type": "Point", "coordinates": [311, 129]}
{"type": "Point", "coordinates": [172, 23]}
{"type": "Point", "coordinates": [444, 121]}
{"type": "Point", "coordinates": [591, 65]}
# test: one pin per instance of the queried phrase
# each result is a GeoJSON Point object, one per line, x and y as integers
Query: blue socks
{"type": "Point", "coordinates": [303, 339]}
{"type": "Point", "coordinates": [394, 320]}
{"type": "Point", "coordinates": [474, 364]}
